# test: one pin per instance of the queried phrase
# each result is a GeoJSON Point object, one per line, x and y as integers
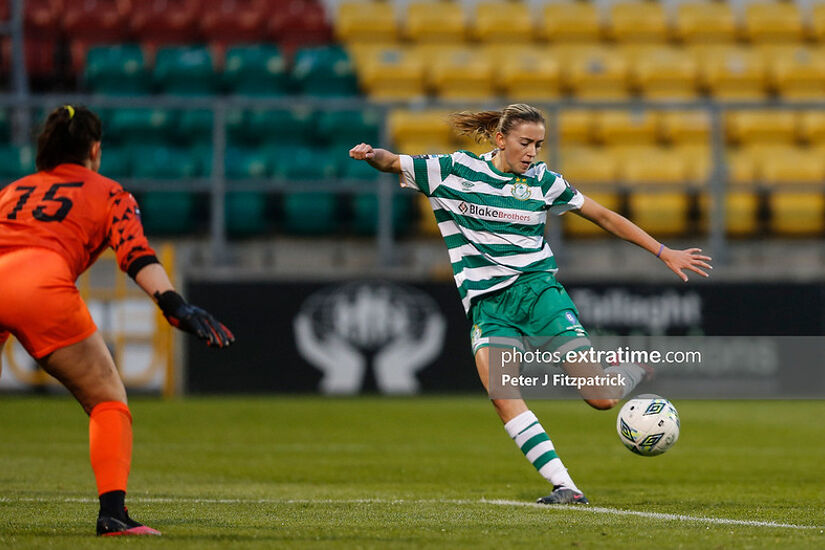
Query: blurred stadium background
{"type": "Point", "coordinates": [230, 120]}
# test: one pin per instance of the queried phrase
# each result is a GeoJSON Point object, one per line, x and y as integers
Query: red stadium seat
{"type": "Point", "coordinates": [96, 21]}
{"type": "Point", "coordinates": [156, 22]}
{"type": "Point", "coordinates": [40, 57]}
{"type": "Point", "coordinates": [298, 23]}
{"type": "Point", "coordinates": [234, 21]}
{"type": "Point", "coordinates": [41, 17]}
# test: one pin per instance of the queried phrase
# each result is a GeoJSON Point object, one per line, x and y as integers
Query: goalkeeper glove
{"type": "Point", "coordinates": [193, 319]}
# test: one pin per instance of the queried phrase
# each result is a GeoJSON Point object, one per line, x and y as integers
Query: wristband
{"type": "Point", "coordinates": [169, 301]}
{"type": "Point", "coordinates": [661, 247]}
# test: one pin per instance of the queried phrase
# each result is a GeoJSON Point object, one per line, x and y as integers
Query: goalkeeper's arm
{"type": "Point", "coordinates": [180, 314]}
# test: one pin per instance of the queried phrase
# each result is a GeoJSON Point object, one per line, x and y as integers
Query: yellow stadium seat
{"type": "Point", "coordinates": [798, 73]}
{"type": "Point", "coordinates": [425, 147]}
{"type": "Point", "coordinates": [652, 165]}
{"type": "Point", "coordinates": [504, 22]}
{"type": "Point", "coordinates": [576, 226]}
{"type": "Point", "coordinates": [792, 166]}
{"type": "Point", "coordinates": [390, 73]}
{"type": "Point", "coordinates": [816, 23]}
{"type": "Point", "coordinates": [664, 214]}
{"type": "Point", "coordinates": [705, 23]}
{"type": "Point", "coordinates": [588, 165]}
{"type": "Point", "coordinates": [435, 22]}
{"type": "Point", "coordinates": [430, 126]}
{"type": "Point", "coordinates": [760, 126]}
{"type": "Point", "coordinates": [530, 74]}
{"type": "Point", "coordinates": [638, 22]}
{"type": "Point", "coordinates": [812, 128]}
{"type": "Point", "coordinates": [699, 161]}
{"type": "Point", "coordinates": [741, 166]}
{"type": "Point", "coordinates": [733, 73]}
{"type": "Point", "coordinates": [666, 73]}
{"type": "Point", "coordinates": [626, 127]}
{"type": "Point", "coordinates": [741, 212]}
{"type": "Point", "coordinates": [570, 22]}
{"type": "Point", "coordinates": [685, 127]}
{"type": "Point", "coordinates": [575, 127]}
{"type": "Point", "coordinates": [772, 22]}
{"type": "Point", "coordinates": [462, 73]}
{"type": "Point", "coordinates": [366, 22]}
{"type": "Point", "coordinates": [797, 214]}
{"type": "Point", "coordinates": [596, 73]}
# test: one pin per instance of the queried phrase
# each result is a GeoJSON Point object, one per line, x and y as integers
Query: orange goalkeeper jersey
{"type": "Point", "coordinates": [77, 213]}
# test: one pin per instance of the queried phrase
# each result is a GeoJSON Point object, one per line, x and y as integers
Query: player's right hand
{"type": "Point", "coordinates": [193, 319]}
{"type": "Point", "coordinates": [362, 151]}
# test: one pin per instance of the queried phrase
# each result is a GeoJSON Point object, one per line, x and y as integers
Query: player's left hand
{"type": "Point", "coordinates": [690, 259]}
{"type": "Point", "coordinates": [193, 319]}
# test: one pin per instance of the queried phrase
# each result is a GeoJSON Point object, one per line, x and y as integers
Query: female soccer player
{"type": "Point", "coordinates": [53, 226]}
{"type": "Point", "coordinates": [491, 211]}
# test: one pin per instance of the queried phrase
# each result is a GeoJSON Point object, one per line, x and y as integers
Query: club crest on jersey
{"type": "Point", "coordinates": [467, 185]}
{"type": "Point", "coordinates": [520, 189]}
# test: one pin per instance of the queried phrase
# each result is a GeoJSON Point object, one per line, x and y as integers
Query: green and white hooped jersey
{"type": "Point", "coordinates": [493, 223]}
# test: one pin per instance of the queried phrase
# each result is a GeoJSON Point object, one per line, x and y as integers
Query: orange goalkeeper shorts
{"type": "Point", "coordinates": [40, 303]}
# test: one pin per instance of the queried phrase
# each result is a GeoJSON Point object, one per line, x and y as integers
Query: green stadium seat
{"type": "Point", "coordinates": [242, 163]}
{"type": "Point", "coordinates": [310, 213]}
{"type": "Point", "coordinates": [5, 126]}
{"type": "Point", "coordinates": [195, 126]}
{"type": "Point", "coordinates": [186, 70]}
{"type": "Point", "coordinates": [258, 70]}
{"type": "Point", "coordinates": [280, 126]}
{"type": "Point", "coordinates": [245, 213]}
{"type": "Point", "coordinates": [116, 162]}
{"type": "Point", "coordinates": [350, 127]}
{"type": "Point", "coordinates": [116, 70]}
{"type": "Point", "coordinates": [167, 212]}
{"type": "Point", "coordinates": [140, 126]}
{"type": "Point", "coordinates": [15, 162]}
{"type": "Point", "coordinates": [324, 71]}
{"type": "Point", "coordinates": [163, 162]}
{"type": "Point", "coordinates": [365, 212]}
{"type": "Point", "coordinates": [358, 170]}
{"type": "Point", "coordinates": [302, 164]}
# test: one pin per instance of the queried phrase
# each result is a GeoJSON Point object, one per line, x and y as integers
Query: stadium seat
{"type": "Point", "coordinates": [652, 165]}
{"type": "Point", "coordinates": [41, 57]}
{"type": "Point", "coordinates": [811, 129]}
{"type": "Point", "coordinates": [665, 73]}
{"type": "Point", "coordinates": [798, 73]}
{"type": "Point", "coordinates": [760, 126]}
{"type": "Point", "coordinates": [167, 212]}
{"type": "Point", "coordinates": [705, 23]}
{"type": "Point", "coordinates": [345, 129]}
{"type": "Point", "coordinates": [576, 127]}
{"type": "Point", "coordinates": [431, 126]}
{"type": "Point", "coordinates": [797, 213]}
{"type": "Point", "coordinates": [733, 73]}
{"type": "Point", "coordinates": [95, 21]}
{"type": "Point", "coordinates": [292, 127]}
{"type": "Point", "coordinates": [15, 162]}
{"type": "Point", "coordinates": [366, 21]}
{"type": "Point", "coordinates": [246, 163]}
{"type": "Point", "coordinates": [816, 22]}
{"type": "Point", "coordinates": [310, 213]}
{"type": "Point", "coordinates": [424, 146]}
{"type": "Point", "coordinates": [685, 127]}
{"type": "Point", "coordinates": [772, 22]}
{"type": "Point", "coordinates": [503, 22]}
{"type": "Point", "coordinates": [116, 162]}
{"type": "Point", "coordinates": [234, 21]}
{"type": "Point", "coordinates": [41, 18]}
{"type": "Point", "coordinates": [637, 22]}
{"type": "Point", "coordinates": [596, 73]}
{"type": "Point", "coordinates": [660, 213]}
{"type": "Point", "coordinates": [742, 168]}
{"type": "Point", "coordinates": [566, 22]}
{"type": "Point", "coordinates": [427, 226]}
{"type": "Point", "coordinates": [299, 24]}
{"type": "Point", "coordinates": [141, 126]}
{"type": "Point", "coordinates": [593, 172]}
{"type": "Point", "coordinates": [435, 22]}
{"type": "Point", "coordinates": [699, 160]}
{"type": "Point", "coordinates": [365, 212]}
{"type": "Point", "coordinates": [463, 73]}
{"type": "Point", "coordinates": [186, 70]}
{"type": "Point", "coordinates": [741, 212]}
{"type": "Point", "coordinates": [163, 162]}
{"type": "Point", "coordinates": [792, 166]}
{"type": "Point", "coordinates": [391, 73]}
{"type": "Point", "coordinates": [529, 74]}
{"type": "Point", "coordinates": [324, 71]}
{"type": "Point", "coordinates": [624, 127]}
{"type": "Point", "coordinates": [5, 126]}
{"type": "Point", "coordinates": [576, 226]}
{"type": "Point", "coordinates": [245, 213]}
{"type": "Point", "coordinates": [159, 22]}
{"type": "Point", "coordinates": [258, 70]}
{"type": "Point", "coordinates": [298, 164]}
{"type": "Point", "coordinates": [116, 70]}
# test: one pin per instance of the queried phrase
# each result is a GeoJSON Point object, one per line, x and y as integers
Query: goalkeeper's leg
{"type": "Point", "coordinates": [526, 430]}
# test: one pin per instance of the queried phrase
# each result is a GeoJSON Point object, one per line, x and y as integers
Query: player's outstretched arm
{"type": "Point", "coordinates": [380, 159]}
{"type": "Point", "coordinates": [180, 314]}
{"type": "Point", "coordinates": [676, 260]}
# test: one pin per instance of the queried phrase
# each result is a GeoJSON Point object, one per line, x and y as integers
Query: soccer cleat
{"type": "Point", "coordinates": [563, 495]}
{"type": "Point", "coordinates": [109, 526]}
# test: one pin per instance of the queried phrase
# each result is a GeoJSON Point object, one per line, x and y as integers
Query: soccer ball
{"type": "Point", "coordinates": [648, 425]}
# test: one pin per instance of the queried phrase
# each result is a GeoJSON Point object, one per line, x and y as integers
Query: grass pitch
{"type": "Point", "coordinates": [410, 473]}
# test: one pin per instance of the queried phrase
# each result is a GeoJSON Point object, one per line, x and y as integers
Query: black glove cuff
{"type": "Point", "coordinates": [169, 301]}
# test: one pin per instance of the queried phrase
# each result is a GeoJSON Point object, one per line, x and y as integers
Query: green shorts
{"type": "Point", "coordinates": [535, 312]}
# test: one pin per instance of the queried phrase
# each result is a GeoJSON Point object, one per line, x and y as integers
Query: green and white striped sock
{"type": "Point", "coordinates": [531, 438]}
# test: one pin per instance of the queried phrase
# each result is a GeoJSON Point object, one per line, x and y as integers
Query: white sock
{"type": "Point", "coordinates": [531, 438]}
{"type": "Point", "coordinates": [632, 374]}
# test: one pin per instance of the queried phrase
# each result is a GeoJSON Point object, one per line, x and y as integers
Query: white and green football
{"type": "Point", "coordinates": [648, 425]}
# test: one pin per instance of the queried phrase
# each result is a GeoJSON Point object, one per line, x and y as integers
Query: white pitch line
{"type": "Point", "coordinates": [496, 502]}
